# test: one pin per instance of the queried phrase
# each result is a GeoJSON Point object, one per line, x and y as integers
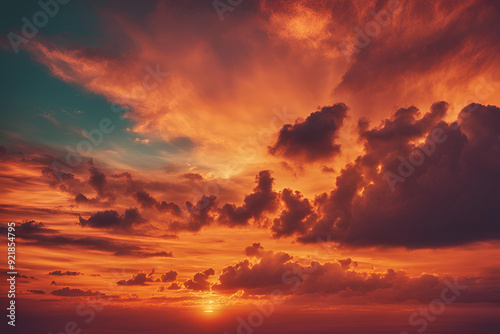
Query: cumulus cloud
{"type": "Point", "coordinates": [199, 215]}
{"type": "Point", "coordinates": [263, 199]}
{"type": "Point", "coordinates": [32, 226]}
{"type": "Point", "coordinates": [346, 263]}
{"type": "Point", "coordinates": [192, 176]}
{"type": "Point", "coordinates": [111, 219]}
{"type": "Point", "coordinates": [296, 217]}
{"type": "Point", "coordinates": [279, 271]}
{"type": "Point", "coordinates": [98, 181]}
{"type": "Point", "coordinates": [255, 249]}
{"type": "Point", "coordinates": [422, 182]}
{"type": "Point", "coordinates": [68, 292]}
{"type": "Point", "coordinates": [200, 281]}
{"type": "Point", "coordinates": [312, 139]}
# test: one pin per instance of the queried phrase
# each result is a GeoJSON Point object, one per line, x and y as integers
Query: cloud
{"type": "Point", "coordinates": [67, 273]}
{"type": "Point", "coordinates": [169, 207]}
{"type": "Point", "coordinates": [169, 276]}
{"type": "Point", "coordinates": [266, 273]}
{"type": "Point", "coordinates": [111, 219]}
{"type": "Point", "coordinates": [68, 292]}
{"type": "Point", "coordinates": [312, 139]}
{"type": "Point", "coordinates": [97, 244]}
{"type": "Point", "coordinates": [255, 250]}
{"type": "Point", "coordinates": [174, 286]}
{"type": "Point", "coordinates": [200, 281]}
{"type": "Point", "coordinates": [200, 214]}
{"type": "Point", "coordinates": [422, 182]}
{"type": "Point", "coordinates": [263, 199]}
{"type": "Point", "coordinates": [278, 271]}
{"type": "Point", "coordinates": [37, 292]}
{"type": "Point", "coordinates": [296, 217]}
{"type": "Point", "coordinates": [192, 177]}
{"type": "Point", "coordinates": [32, 226]}
{"type": "Point", "coordinates": [98, 181]}
{"type": "Point", "coordinates": [346, 263]}
{"type": "Point", "coordinates": [145, 200]}
{"type": "Point", "coordinates": [138, 279]}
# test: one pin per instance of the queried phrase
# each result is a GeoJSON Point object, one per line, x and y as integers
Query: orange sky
{"type": "Point", "coordinates": [249, 141]}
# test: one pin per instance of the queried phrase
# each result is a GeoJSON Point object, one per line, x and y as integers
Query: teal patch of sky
{"type": "Point", "coordinates": [27, 90]}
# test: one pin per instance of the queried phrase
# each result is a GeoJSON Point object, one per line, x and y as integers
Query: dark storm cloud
{"type": "Point", "coordinates": [311, 139]}
{"type": "Point", "coordinates": [200, 281]}
{"type": "Point", "coordinates": [263, 199]}
{"type": "Point", "coordinates": [422, 182]}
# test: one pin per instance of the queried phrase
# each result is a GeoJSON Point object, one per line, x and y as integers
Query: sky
{"type": "Point", "coordinates": [237, 166]}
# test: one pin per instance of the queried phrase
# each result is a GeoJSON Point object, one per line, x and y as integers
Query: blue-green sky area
{"type": "Point", "coordinates": [42, 109]}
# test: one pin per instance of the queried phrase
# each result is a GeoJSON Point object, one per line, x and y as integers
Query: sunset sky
{"type": "Point", "coordinates": [238, 166]}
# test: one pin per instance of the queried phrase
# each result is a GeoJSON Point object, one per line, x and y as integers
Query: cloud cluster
{"type": "Point", "coordinates": [263, 199]}
{"type": "Point", "coordinates": [69, 292]}
{"type": "Point", "coordinates": [422, 182]}
{"type": "Point", "coordinates": [200, 281]}
{"type": "Point", "coordinates": [96, 244]}
{"type": "Point", "coordinates": [278, 271]}
{"type": "Point", "coordinates": [139, 279]}
{"type": "Point", "coordinates": [312, 139]}
{"type": "Point", "coordinates": [65, 273]}
{"type": "Point", "coordinates": [111, 219]}
{"type": "Point", "coordinates": [145, 200]}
